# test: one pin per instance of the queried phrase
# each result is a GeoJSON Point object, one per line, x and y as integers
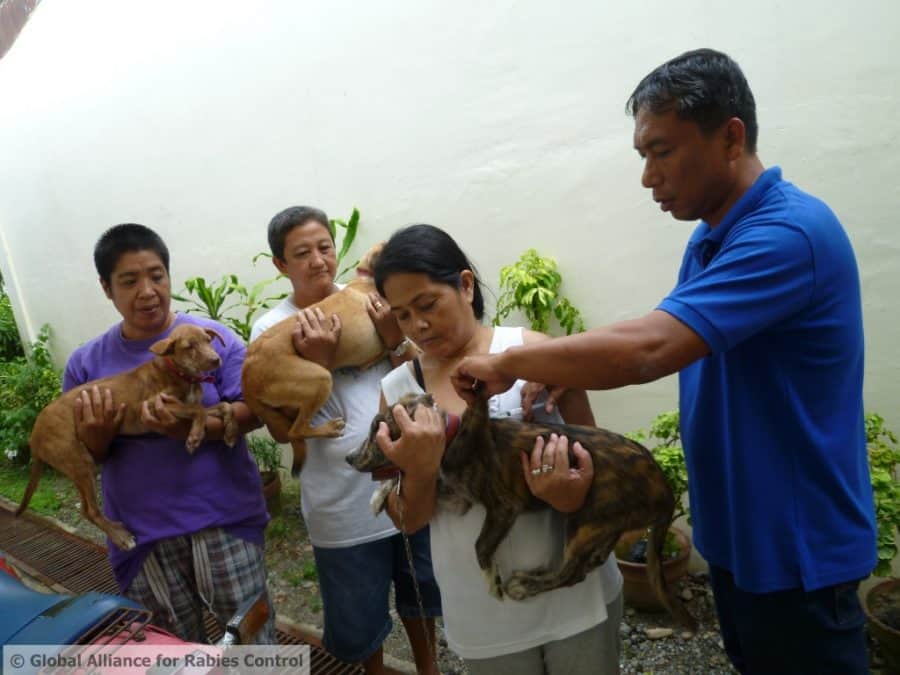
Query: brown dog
{"type": "Point", "coordinates": [285, 390]}
{"type": "Point", "coordinates": [481, 464]}
{"type": "Point", "coordinates": [177, 370]}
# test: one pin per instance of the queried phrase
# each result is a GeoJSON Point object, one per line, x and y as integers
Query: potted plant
{"type": "Point", "coordinates": [882, 602]}
{"type": "Point", "coordinates": [267, 453]}
{"type": "Point", "coordinates": [631, 550]}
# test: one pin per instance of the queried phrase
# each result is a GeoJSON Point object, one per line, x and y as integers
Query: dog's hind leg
{"type": "Point", "coordinates": [497, 523]}
{"type": "Point", "coordinates": [83, 477]}
{"type": "Point", "coordinates": [586, 549]}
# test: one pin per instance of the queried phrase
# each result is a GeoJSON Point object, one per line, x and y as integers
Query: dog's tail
{"type": "Point", "coordinates": [666, 595]}
{"type": "Point", "coordinates": [37, 468]}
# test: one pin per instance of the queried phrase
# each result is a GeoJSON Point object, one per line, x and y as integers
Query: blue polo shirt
{"type": "Point", "coordinates": [772, 420]}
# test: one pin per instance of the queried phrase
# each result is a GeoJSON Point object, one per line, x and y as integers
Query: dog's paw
{"type": "Point", "coordinates": [495, 582]}
{"type": "Point", "coordinates": [193, 442]}
{"type": "Point", "coordinates": [122, 538]}
{"type": "Point", "coordinates": [379, 497]}
{"type": "Point", "coordinates": [517, 587]}
{"type": "Point", "coordinates": [231, 433]}
{"type": "Point", "coordinates": [335, 427]}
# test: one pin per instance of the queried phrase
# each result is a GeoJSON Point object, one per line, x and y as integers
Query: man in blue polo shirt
{"type": "Point", "coordinates": [765, 329]}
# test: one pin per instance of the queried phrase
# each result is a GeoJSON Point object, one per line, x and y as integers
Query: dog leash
{"type": "Point", "coordinates": [432, 649]}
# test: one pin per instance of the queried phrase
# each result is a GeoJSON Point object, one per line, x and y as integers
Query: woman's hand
{"type": "Point", "coordinates": [385, 322]}
{"type": "Point", "coordinates": [314, 339]}
{"type": "Point", "coordinates": [530, 393]}
{"type": "Point", "coordinates": [418, 451]}
{"type": "Point", "coordinates": [97, 420]}
{"type": "Point", "coordinates": [552, 479]}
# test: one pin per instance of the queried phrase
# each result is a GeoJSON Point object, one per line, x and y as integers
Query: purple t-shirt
{"type": "Point", "coordinates": [150, 482]}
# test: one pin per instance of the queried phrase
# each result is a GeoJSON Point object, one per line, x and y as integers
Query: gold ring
{"type": "Point", "coordinates": [546, 468]}
{"type": "Point", "coordinates": [535, 472]}
{"type": "Point", "coordinates": [377, 305]}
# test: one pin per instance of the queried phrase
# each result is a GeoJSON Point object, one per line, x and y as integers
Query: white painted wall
{"type": "Point", "coordinates": [503, 122]}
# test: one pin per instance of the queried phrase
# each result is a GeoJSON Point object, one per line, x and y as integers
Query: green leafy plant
{"type": "Point", "coordinates": [349, 229]}
{"type": "Point", "coordinates": [10, 343]}
{"type": "Point", "coordinates": [228, 301]}
{"type": "Point", "coordinates": [669, 455]}
{"type": "Point", "coordinates": [265, 451]}
{"type": "Point", "coordinates": [884, 456]}
{"type": "Point", "coordinates": [27, 384]}
{"type": "Point", "coordinates": [531, 285]}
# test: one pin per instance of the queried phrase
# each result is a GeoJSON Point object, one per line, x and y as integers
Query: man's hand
{"type": "Point", "coordinates": [418, 451]}
{"type": "Point", "coordinates": [481, 374]}
{"type": "Point", "coordinates": [385, 322]}
{"type": "Point", "coordinates": [156, 417]}
{"type": "Point", "coordinates": [314, 339]}
{"type": "Point", "coordinates": [97, 419]}
{"type": "Point", "coordinates": [552, 479]}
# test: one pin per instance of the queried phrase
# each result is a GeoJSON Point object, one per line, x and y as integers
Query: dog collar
{"type": "Point", "coordinates": [452, 427]}
{"type": "Point", "coordinates": [193, 379]}
{"type": "Point", "coordinates": [389, 471]}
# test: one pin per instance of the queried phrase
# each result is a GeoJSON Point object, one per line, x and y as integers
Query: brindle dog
{"type": "Point", "coordinates": [481, 464]}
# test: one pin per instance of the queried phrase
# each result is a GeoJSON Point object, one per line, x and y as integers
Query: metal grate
{"type": "Point", "coordinates": [68, 563]}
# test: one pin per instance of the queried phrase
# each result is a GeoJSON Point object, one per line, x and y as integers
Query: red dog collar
{"type": "Point", "coordinates": [193, 379]}
{"type": "Point", "coordinates": [389, 471]}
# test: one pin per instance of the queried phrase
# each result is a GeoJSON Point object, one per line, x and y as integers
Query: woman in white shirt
{"type": "Point", "coordinates": [436, 297]}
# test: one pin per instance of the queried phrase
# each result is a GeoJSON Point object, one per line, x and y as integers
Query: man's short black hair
{"type": "Point", "coordinates": [704, 86]}
{"type": "Point", "coordinates": [126, 238]}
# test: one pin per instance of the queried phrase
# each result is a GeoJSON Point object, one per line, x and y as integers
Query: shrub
{"type": "Point", "coordinates": [883, 459]}
{"type": "Point", "coordinates": [531, 285]}
{"type": "Point", "coordinates": [26, 386]}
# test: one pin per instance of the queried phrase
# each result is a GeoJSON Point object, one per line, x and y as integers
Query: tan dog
{"type": "Point", "coordinates": [176, 370]}
{"type": "Point", "coordinates": [481, 464]}
{"type": "Point", "coordinates": [285, 390]}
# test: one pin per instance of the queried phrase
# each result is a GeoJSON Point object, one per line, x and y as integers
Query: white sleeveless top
{"type": "Point", "coordinates": [477, 625]}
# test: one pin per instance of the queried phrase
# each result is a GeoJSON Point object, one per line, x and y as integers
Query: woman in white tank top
{"type": "Point", "coordinates": [436, 297]}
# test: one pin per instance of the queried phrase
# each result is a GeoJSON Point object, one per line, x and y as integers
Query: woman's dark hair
{"type": "Point", "coordinates": [704, 86]}
{"type": "Point", "coordinates": [426, 249]}
{"type": "Point", "coordinates": [126, 238]}
{"type": "Point", "coordinates": [286, 220]}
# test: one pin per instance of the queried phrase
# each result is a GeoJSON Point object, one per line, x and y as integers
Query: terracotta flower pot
{"type": "Point", "coordinates": [638, 591]}
{"type": "Point", "coordinates": [881, 596]}
{"type": "Point", "coordinates": [271, 487]}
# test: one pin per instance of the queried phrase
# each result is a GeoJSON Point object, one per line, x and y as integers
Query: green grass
{"type": "Point", "coordinates": [53, 491]}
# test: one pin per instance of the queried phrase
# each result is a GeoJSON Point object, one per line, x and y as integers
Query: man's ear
{"type": "Point", "coordinates": [735, 138]}
{"type": "Point", "coordinates": [163, 347]}
{"type": "Point", "coordinates": [106, 288]}
{"type": "Point", "coordinates": [280, 264]}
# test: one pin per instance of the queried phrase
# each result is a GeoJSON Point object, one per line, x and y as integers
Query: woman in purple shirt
{"type": "Point", "coordinates": [198, 519]}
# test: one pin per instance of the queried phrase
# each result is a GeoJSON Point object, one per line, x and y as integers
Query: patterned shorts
{"type": "Point", "coordinates": [211, 570]}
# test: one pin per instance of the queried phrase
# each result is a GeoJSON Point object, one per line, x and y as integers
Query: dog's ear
{"type": "Point", "coordinates": [163, 347]}
{"type": "Point", "coordinates": [213, 335]}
